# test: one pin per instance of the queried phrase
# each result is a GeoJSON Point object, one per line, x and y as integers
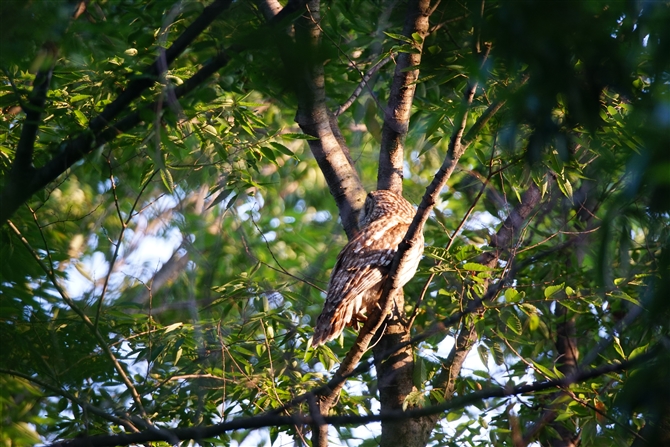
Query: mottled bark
{"type": "Point", "coordinates": [396, 115]}
{"type": "Point", "coordinates": [316, 120]}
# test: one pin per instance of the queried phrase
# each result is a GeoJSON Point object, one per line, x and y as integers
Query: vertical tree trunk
{"type": "Point", "coordinates": [395, 381]}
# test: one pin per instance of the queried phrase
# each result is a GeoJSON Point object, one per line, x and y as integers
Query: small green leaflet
{"type": "Point", "coordinates": [298, 136]}
{"type": "Point", "coordinates": [552, 290]}
{"type": "Point", "coordinates": [473, 266]}
{"type": "Point", "coordinates": [283, 149]}
{"type": "Point", "coordinates": [81, 118]}
{"type": "Point", "coordinates": [400, 37]}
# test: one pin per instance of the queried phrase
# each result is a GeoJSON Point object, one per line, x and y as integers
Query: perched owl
{"type": "Point", "coordinates": [356, 281]}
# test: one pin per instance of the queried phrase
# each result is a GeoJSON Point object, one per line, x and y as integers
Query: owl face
{"type": "Point", "coordinates": [384, 203]}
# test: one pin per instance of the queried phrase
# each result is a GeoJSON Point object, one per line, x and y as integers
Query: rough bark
{"type": "Point", "coordinates": [395, 375]}
{"type": "Point", "coordinates": [316, 120]}
{"type": "Point", "coordinates": [396, 116]}
{"type": "Point", "coordinates": [394, 383]}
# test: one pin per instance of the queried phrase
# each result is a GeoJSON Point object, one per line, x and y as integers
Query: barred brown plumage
{"type": "Point", "coordinates": [362, 266]}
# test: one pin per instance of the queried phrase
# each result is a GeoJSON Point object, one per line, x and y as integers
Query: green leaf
{"type": "Point", "coordinates": [473, 266]}
{"type": "Point", "coordinates": [483, 353]}
{"type": "Point", "coordinates": [552, 290]}
{"type": "Point", "coordinates": [454, 416]}
{"type": "Point", "coordinates": [297, 136]}
{"type": "Point", "coordinates": [617, 347]}
{"type": "Point", "coordinates": [81, 118]}
{"type": "Point", "coordinates": [528, 309]}
{"type": "Point", "coordinates": [624, 296]}
{"type": "Point", "coordinates": [178, 356]}
{"type": "Point", "coordinates": [77, 98]}
{"type": "Point", "coordinates": [210, 129]}
{"type": "Point", "coordinates": [166, 176]}
{"type": "Point", "coordinates": [268, 153]}
{"type": "Point", "coordinates": [544, 370]}
{"type": "Point", "coordinates": [283, 149]}
{"type": "Point", "coordinates": [173, 327]}
{"type": "Point", "coordinates": [399, 37]}
{"type": "Point", "coordinates": [565, 186]}
{"type": "Point", "coordinates": [498, 356]}
{"type": "Point", "coordinates": [513, 322]}
{"type": "Point", "coordinates": [637, 351]}
{"type": "Point", "coordinates": [419, 375]}
{"type": "Point", "coordinates": [564, 415]}
{"type": "Point", "coordinates": [512, 295]}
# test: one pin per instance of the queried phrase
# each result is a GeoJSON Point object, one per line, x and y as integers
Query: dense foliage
{"type": "Point", "coordinates": [170, 202]}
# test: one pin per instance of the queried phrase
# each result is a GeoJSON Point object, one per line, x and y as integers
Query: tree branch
{"type": "Point", "coordinates": [24, 151]}
{"type": "Point", "coordinates": [72, 398]}
{"type": "Point", "coordinates": [396, 116]}
{"type": "Point", "coordinates": [395, 373]}
{"type": "Point", "coordinates": [23, 183]}
{"type": "Point", "coordinates": [146, 80]}
{"type": "Point", "coordinates": [255, 422]}
{"type": "Point", "coordinates": [80, 146]}
{"type": "Point", "coordinates": [455, 150]}
{"type": "Point", "coordinates": [362, 85]}
{"type": "Point", "coordinates": [314, 119]}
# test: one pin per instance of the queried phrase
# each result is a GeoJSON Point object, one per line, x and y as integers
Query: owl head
{"type": "Point", "coordinates": [383, 203]}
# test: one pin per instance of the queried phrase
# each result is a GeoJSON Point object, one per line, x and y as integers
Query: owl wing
{"type": "Point", "coordinates": [360, 269]}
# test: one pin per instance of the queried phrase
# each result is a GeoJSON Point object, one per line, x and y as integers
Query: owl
{"type": "Point", "coordinates": [357, 279]}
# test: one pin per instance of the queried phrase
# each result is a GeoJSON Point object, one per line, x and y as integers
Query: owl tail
{"type": "Point", "coordinates": [331, 323]}
{"type": "Point", "coordinates": [323, 333]}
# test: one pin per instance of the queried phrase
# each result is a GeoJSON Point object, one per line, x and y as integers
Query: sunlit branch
{"type": "Point", "coordinates": [401, 95]}
{"type": "Point", "coordinates": [314, 119]}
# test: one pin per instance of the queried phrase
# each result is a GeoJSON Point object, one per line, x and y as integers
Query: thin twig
{"type": "Point", "coordinates": [363, 84]}
{"type": "Point", "coordinates": [101, 341]}
{"type": "Point", "coordinates": [271, 420]}
{"type": "Point", "coordinates": [452, 238]}
{"type": "Point", "coordinates": [364, 80]}
{"type": "Point", "coordinates": [72, 398]}
{"type": "Point", "coordinates": [124, 226]}
{"type": "Point", "coordinates": [281, 269]}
